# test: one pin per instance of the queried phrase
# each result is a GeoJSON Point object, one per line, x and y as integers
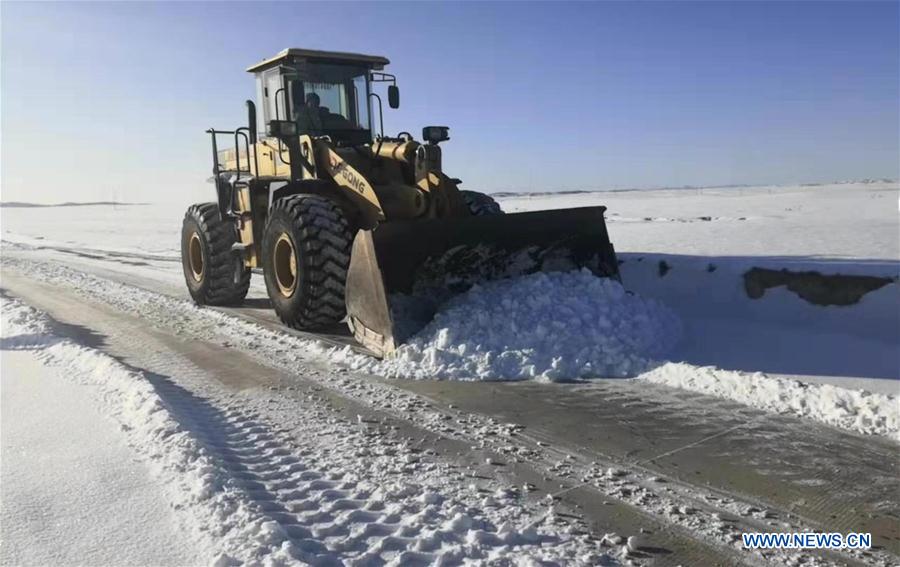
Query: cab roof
{"type": "Point", "coordinates": [294, 54]}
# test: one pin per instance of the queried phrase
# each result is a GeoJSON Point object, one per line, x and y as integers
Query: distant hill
{"type": "Point", "coordinates": [20, 204]}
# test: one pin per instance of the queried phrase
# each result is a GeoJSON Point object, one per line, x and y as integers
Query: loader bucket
{"type": "Point", "coordinates": [438, 258]}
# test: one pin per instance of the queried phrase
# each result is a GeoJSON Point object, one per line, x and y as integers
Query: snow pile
{"type": "Point", "coordinates": [856, 410]}
{"type": "Point", "coordinates": [555, 326]}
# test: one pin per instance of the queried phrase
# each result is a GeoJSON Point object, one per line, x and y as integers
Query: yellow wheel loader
{"type": "Point", "coordinates": [341, 218]}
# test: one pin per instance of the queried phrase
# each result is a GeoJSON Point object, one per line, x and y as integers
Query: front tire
{"type": "Point", "coordinates": [481, 205]}
{"type": "Point", "coordinates": [214, 273]}
{"type": "Point", "coordinates": [306, 254]}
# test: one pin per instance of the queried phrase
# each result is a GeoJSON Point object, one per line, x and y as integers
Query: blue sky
{"type": "Point", "coordinates": [110, 101]}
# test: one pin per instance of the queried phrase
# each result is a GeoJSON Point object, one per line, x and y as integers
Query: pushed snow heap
{"type": "Point", "coordinates": [554, 326]}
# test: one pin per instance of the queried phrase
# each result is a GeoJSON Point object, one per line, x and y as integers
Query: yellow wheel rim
{"type": "Point", "coordinates": [285, 265]}
{"type": "Point", "coordinates": [195, 256]}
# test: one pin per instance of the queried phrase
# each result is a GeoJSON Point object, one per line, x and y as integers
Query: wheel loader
{"type": "Point", "coordinates": [342, 219]}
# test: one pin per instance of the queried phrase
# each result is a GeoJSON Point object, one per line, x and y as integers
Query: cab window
{"type": "Point", "coordinates": [327, 99]}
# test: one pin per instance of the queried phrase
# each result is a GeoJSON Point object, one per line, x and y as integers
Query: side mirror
{"type": "Point", "coordinates": [393, 96]}
{"type": "Point", "coordinates": [251, 120]}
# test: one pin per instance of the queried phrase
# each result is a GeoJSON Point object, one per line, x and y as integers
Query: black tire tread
{"type": "Point", "coordinates": [325, 239]}
{"type": "Point", "coordinates": [222, 288]}
{"type": "Point", "coordinates": [480, 204]}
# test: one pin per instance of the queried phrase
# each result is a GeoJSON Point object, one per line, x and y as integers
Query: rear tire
{"type": "Point", "coordinates": [306, 253]}
{"type": "Point", "coordinates": [215, 274]}
{"type": "Point", "coordinates": [481, 205]}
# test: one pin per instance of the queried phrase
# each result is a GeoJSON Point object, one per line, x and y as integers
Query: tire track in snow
{"type": "Point", "coordinates": [319, 516]}
{"type": "Point", "coordinates": [323, 516]}
{"type": "Point", "coordinates": [251, 496]}
{"type": "Point", "coordinates": [188, 320]}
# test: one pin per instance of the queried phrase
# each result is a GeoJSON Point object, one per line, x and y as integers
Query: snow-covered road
{"type": "Point", "coordinates": [244, 486]}
{"type": "Point", "coordinates": [69, 479]}
{"type": "Point", "coordinates": [623, 459]}
{"type": "Point", "coordinates": [684, 470]}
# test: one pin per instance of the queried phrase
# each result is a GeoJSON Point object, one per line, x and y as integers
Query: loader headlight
{"type": "Point", "coordinates": [282, 128]}
{"type": "Point", "coordinates": [435, 134]}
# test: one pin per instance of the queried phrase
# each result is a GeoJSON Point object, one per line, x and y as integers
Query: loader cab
{"type": "Point", "coordinates": [325, 93]}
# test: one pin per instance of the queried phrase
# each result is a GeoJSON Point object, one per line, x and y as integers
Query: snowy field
{"type": "Point", "coordinates": [684, 252]}
{"type": "Point", "coordinates": [686, 316]}
{"type": "Point", "coordinates": [842, 224]}
{"type": "Point", "coordinates": [687, 249]}
{"type": "Point", "coordinates": [854, 222]}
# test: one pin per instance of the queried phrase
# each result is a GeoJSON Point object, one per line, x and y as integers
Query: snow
{"type": "Point", "coordinates": [238, 490]}
{"type": "Point", "coordinates": [780, 334]}
{"type": "Point", "coordinates": [844, 224]}
{"type": "Point", "coordinates": [70, 483]}
{"type": "Point", "coordinates": [360, 453]}
{"type": "Point", "coordinates": [856, 410]}
{"type": "Point", "coordinates": [99, 228]}
{"type": "Point", "coordinates": [133, 468]}
{"type": "Point", "coordinates": [71, 489]}
{"type": "Point", "coordinates": [833, 222]}
{"type": "Point", "coordinates": [706, 238]}
{"type": "Point", "coordinates": [561, 325]}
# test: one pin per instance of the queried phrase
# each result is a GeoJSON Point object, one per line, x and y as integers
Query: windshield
{"type": "Point", "coordinates": [329, 99]}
